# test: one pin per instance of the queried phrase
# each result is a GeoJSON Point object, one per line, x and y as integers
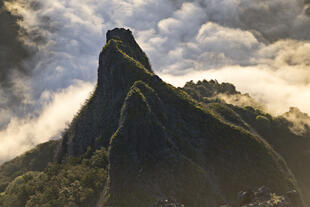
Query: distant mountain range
{"type": "Point", "coordinates": [138, 141]}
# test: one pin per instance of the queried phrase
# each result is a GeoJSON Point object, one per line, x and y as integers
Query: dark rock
{"type": "Point", "coordinates": [263, 192]}
{"type": "Point", "coordinates": [167, 203]}
{"type": "Point", "coordinates": [292, 196]}
{"type": "Point", "coordinates": [226, 205]}
{"type": "Point", "coordinates": [264, 197]}
{"type": "Point", "coordinates": [121, 34]}
{"type": "Point", "coordinates": [245, 197]}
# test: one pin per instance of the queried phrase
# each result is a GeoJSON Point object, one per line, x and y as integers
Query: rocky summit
{"type": "Point", "coordinates": [138, 141]}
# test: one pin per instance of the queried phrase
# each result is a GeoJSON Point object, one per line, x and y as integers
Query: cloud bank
{"type": "Point", "coordinates": [22, 134]}
{"type": "Point", "coordinates": [260, 46]}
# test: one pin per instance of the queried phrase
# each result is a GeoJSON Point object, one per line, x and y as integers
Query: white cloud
{"type": "Point", "coordinates": [22, 134]}
{"type": "Point", "coordinates": [264, 84]}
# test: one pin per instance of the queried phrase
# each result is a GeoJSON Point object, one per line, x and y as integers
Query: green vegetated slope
{"type": "Point", "coordinates": [34, 160]}
{"type": "Point", "coordinates": [138, 140]}
{"type": "Point", "coordinates": [77, 182]}
{"type": "Point", "coordinates": [277, 131]}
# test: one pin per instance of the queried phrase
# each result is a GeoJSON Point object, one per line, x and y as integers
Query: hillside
{"type": "Point", "coordinates": [138, 140]}
{"type": "Point", "coordinates": [288, 134]}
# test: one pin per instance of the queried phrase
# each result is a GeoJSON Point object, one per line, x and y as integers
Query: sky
{"type": "Point", "coordinates": [262, 47]}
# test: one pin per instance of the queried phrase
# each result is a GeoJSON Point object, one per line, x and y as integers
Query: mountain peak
{"type": "Point", "coordinates": [121, 34]}
{"type": "Point", "coordinates": [127, 44]}
{"type": "Point", "coordinates": [121, 63]}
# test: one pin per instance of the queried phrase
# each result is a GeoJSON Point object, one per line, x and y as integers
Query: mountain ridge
{"type": "Point", "coordinates": [148, 141]}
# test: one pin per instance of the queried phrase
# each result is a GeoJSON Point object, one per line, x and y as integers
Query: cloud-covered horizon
{"type": "Point", "coordinates": [261, 47]}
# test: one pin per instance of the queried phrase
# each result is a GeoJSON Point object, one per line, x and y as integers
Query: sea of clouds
{"type": "Point", "coordinates": [262, 47]}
